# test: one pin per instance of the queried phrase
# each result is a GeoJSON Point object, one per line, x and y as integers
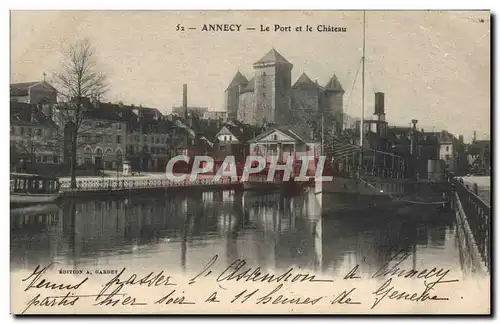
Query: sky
{"type": "Point", "coordinates": [432, 66]}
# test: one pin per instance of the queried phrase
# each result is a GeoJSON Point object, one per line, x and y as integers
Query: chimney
{"type": "Point", "coordinates": [474, 136]}
{"type": "Point", "coordinates": [414, 123]}
{"type": "Point", "coordinates": [184, 101]}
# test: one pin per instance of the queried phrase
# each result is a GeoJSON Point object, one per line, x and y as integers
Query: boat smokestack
{"type": "Point", "coordinates": [379, 104]}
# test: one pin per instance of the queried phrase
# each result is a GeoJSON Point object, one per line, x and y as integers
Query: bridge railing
{"type": "Point", "coordinates": [130, 184]}
{"type": "Point", "coordinates": [478, 215]}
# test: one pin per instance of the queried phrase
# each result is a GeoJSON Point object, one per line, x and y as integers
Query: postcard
{"type": "Point", "coordinates": [250, 162]}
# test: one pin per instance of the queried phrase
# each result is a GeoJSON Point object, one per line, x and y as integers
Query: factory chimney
{"type": "Point", "coordinates": [184, 101]}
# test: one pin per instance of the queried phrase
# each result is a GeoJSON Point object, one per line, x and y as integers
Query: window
{"type": "Point", "coordinates": [12, 130]}
{"type": "Point", "coordinates": [118, 139]}
{"type": "Point", "coordinates": [49, 158]}
{"type": "Point", "coordinates": [38, 132]}
{"type": "Point", "coordinates": [145, 149]}
{"type": "Point", "coordinates": [21, 130]}
{"type": "Point", "coordinates": [44, 159]}
{"type": "Point", "coordinates": [447, 149]}
{"type": "Point", "coordinates": [119, 126]}
{"type": "Point", "coordinates": [447, 157]}
{"type": "Point", "coordinates": [55, 158]}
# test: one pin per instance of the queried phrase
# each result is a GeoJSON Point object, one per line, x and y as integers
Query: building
{"type": "Point", "coordinates": [221, 115]}
{"type": "Point", "coordinates": [194, 111]}
{"type": "Point", "coordinates": [102, 138]}
{"type": "Point", "coordinates": [33, 92]}
{"type": "Point", "coordinates": [233, 137]}
{"type": "Point", "coordinates": [269, 97]}
{"type": "Point", "coordinates": [282, 142]}
{"type": "Point", "coordinates": [447, 150]}
{"type": "Point", "coordinates": [478, 155]}
{"type": "Point", "coordinates": [32, 135]}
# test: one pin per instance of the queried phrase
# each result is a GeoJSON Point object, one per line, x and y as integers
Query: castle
{"type": "Point", "coordinates": [270, 97]}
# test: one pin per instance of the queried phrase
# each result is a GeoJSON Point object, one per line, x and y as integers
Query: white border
{"type": "Point", "coordinates": [185, 4]}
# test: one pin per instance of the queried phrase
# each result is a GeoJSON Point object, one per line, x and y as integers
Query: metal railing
{"type": "Point", "coordinates": [478, 215]}
{"type": "Point", "coordinates": [95, 185]}
{"type": "Point", "coordinates": [132, 184]}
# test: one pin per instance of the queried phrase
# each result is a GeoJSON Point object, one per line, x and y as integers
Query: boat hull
{"type": "Point", "coordinates": [377, 195]}
{"type": "Point", "coordinates": [21, 198]}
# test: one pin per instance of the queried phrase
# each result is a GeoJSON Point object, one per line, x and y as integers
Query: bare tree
{"type": "Point", "coordinates": [79, 83]}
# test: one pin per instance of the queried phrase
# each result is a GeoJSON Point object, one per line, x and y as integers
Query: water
{"type": "Point", "coordinates": [184, 230]}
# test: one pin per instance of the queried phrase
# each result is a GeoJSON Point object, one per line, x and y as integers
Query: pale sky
{"type": "Point", "coordinates": [432, 66]}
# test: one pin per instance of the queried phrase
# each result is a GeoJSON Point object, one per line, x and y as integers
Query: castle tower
{"type": "Point", "coordinates": [333, 108]}
{"type": "Point", "coordinates": [273, 79]}
{"type": "Point", "coordinates": [232, 94]}
{"type": "Point", "coordinates": [305, 101]}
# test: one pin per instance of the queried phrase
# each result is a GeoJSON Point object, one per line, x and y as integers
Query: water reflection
{"type": "Point", "coordinates": [185, 229]}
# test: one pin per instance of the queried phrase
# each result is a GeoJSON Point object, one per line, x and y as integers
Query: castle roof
{"type": "Point", "coordinates": [305, 83]}
{"type": "Point", "coordinates": [250, 87]}
{"type": "Point", "coordinates": [334, 84]}
{"type": "Point", "coordinates": [273, 57]}
{"type": "Point", "coordinates": [239, 79]}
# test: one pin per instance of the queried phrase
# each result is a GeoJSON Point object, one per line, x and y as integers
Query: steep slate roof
{"type": "Point", "coordinates": [250, 87]}
{"type": "Point", "coordinates": [334, 84]}
{"type": "Point", "coordinates": [22, 113]}
{"type": "Point", "coordinates": [305, 83]}
{"type": "Point", "coordinates": [273, 57]}
{"type": "Point", "coordinates": [239, 79]}
{"type": "Point", "coordinates": [21, 89]}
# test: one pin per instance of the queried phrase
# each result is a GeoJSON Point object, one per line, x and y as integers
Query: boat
{"type": "Point", "coordinates": [28, 188]}
{"type": "Point", "coordinates": [364, 174]}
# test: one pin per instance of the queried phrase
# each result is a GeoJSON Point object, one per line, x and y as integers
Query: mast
{"type": "Point", "coordinates": [361, 129]}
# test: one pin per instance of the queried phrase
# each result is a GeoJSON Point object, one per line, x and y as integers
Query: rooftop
{"type": "Point", "coordinates": [273, 57]}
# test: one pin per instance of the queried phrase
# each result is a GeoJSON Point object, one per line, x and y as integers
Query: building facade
{"type": "Point", "coordinates": [32, 135]}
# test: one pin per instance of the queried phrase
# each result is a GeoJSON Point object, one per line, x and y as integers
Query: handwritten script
{"type": "Point", "coordinates": [235, 284]}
